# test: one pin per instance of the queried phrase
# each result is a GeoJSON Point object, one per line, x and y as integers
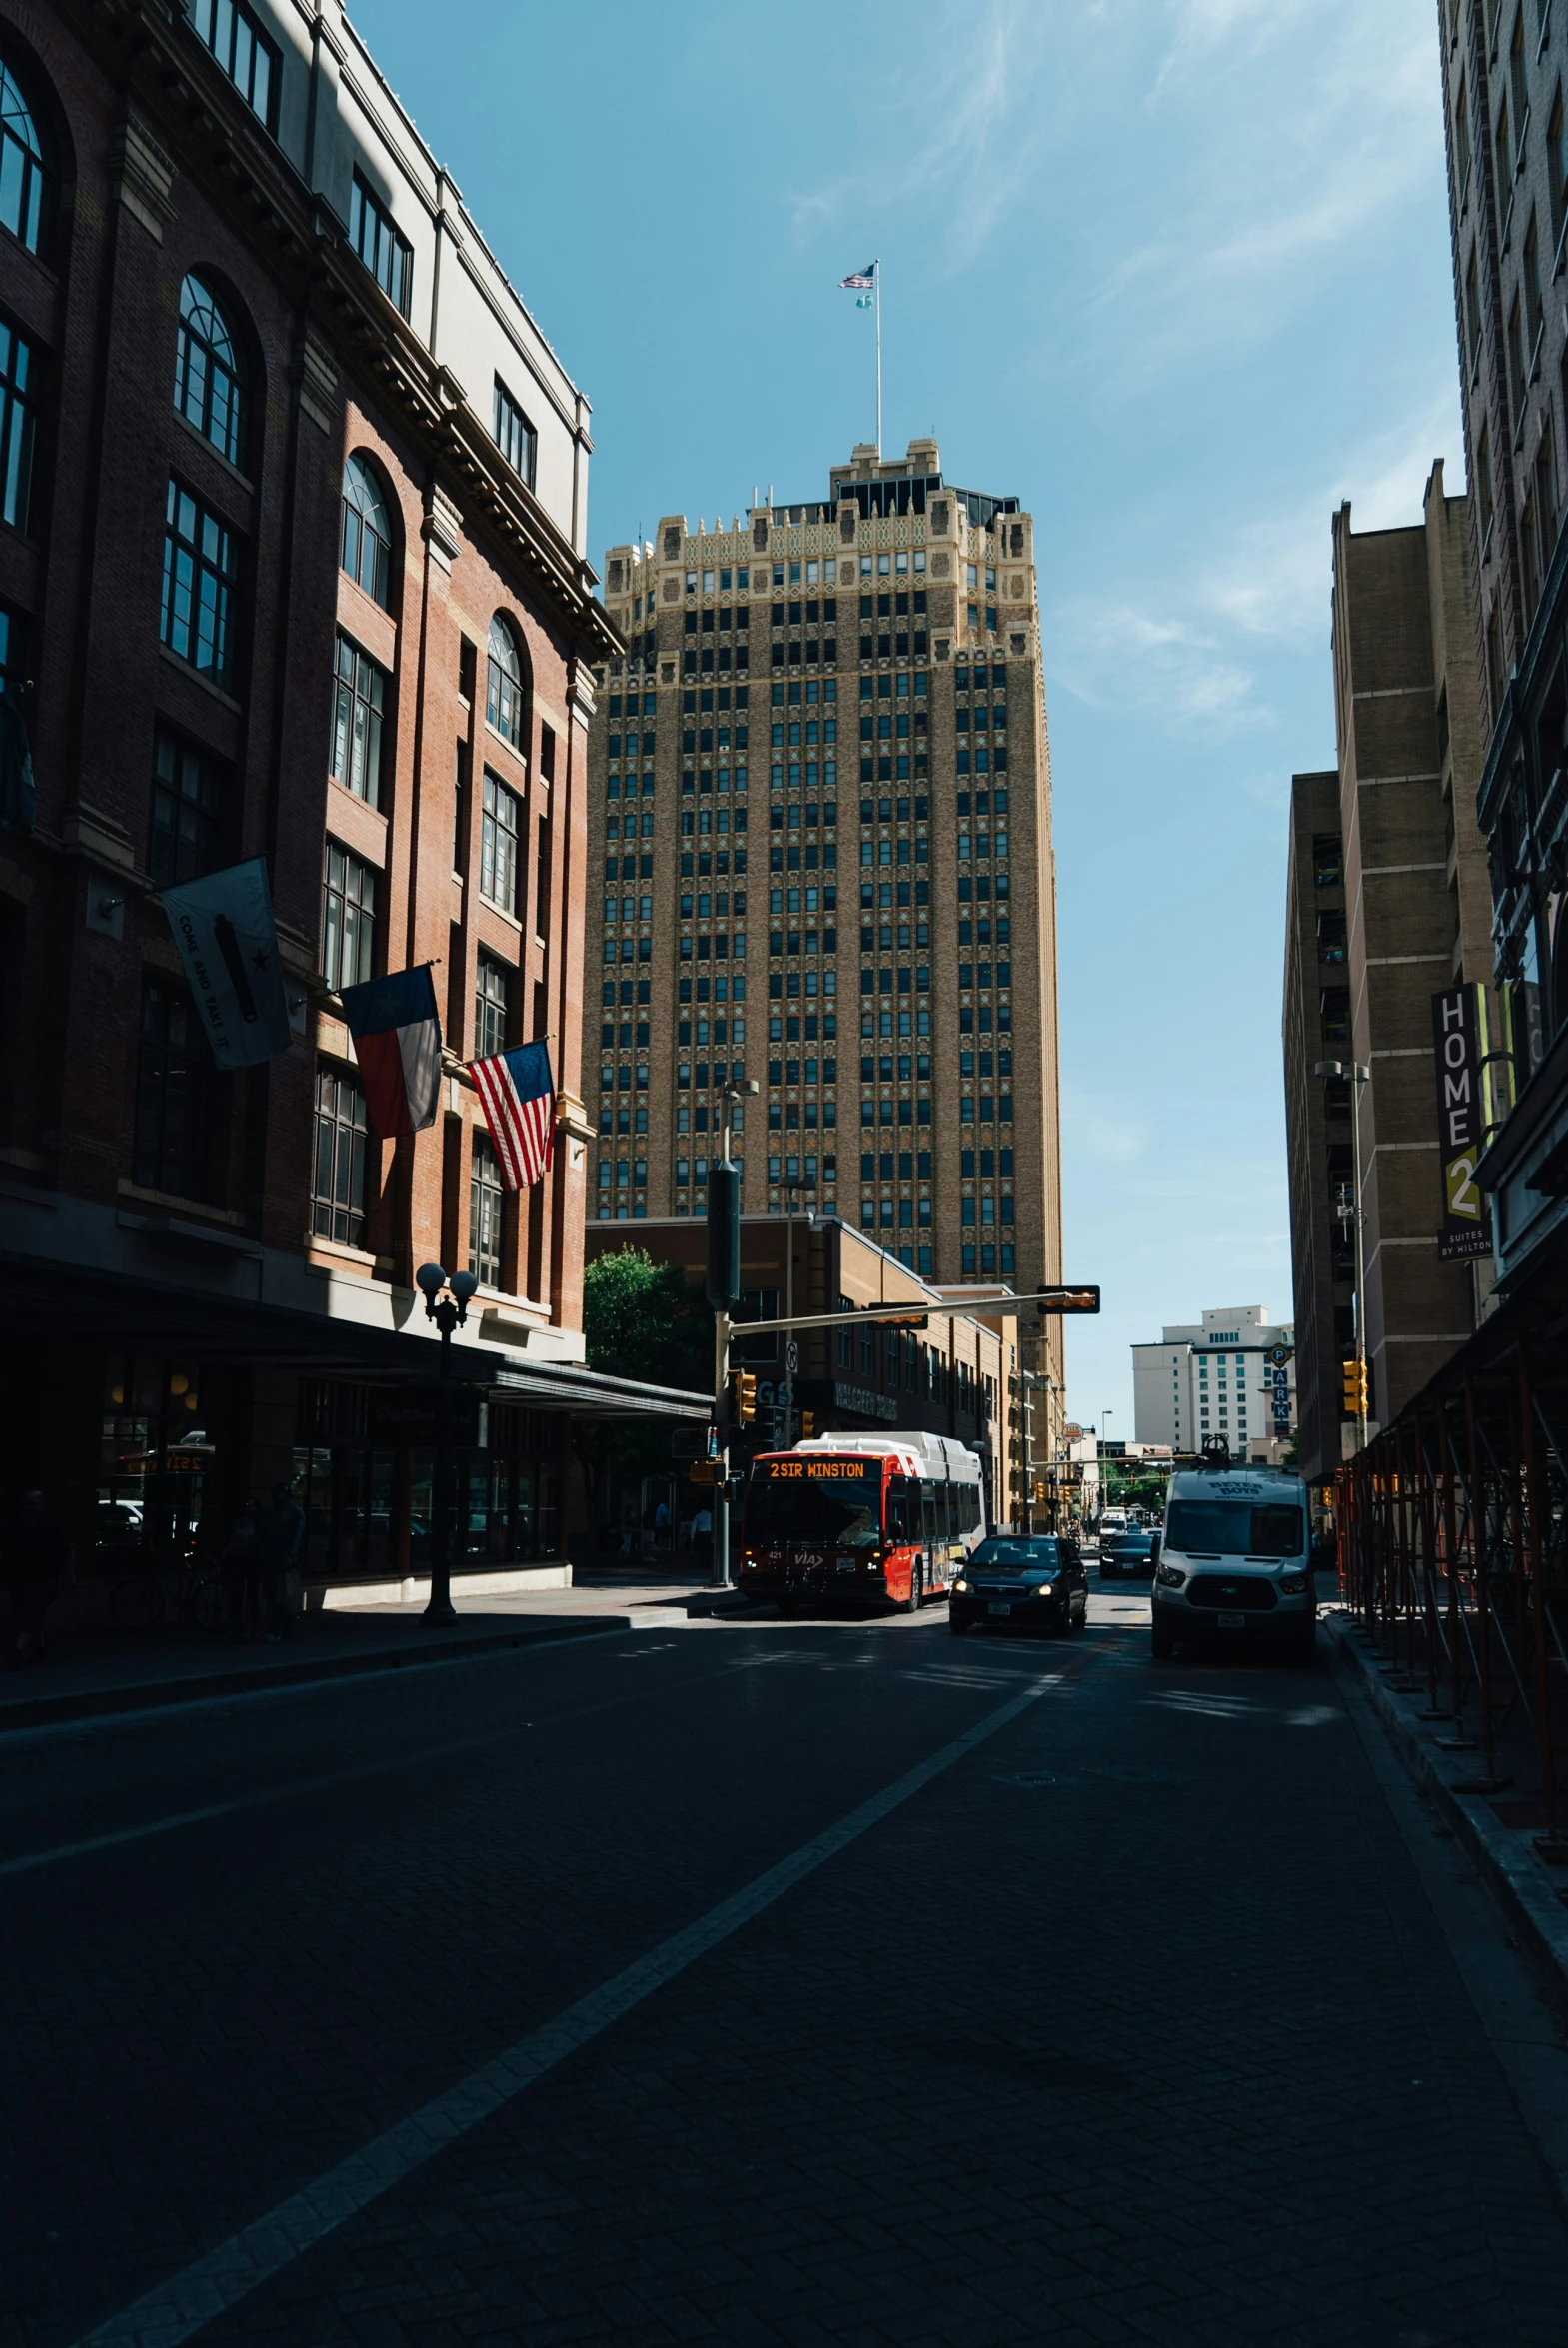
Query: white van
{"type": "Point", "coordinates": [1234, 1562]}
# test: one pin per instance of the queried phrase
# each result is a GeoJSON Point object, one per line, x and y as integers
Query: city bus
{"type": "Point", "coordinates": [860, 1517]}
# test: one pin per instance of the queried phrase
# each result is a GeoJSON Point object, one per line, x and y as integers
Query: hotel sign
{"type": "Point", "coordinates": [1465, 1229]}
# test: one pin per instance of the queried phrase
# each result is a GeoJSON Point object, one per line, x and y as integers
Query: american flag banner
{"type": "Point", "coordinates": [860, 280]}
{"type": "Point", "coordinates": [518, 1094]}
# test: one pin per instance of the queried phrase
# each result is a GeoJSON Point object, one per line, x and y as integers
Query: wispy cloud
{"type": "Point", "coordinates": [1102, 1127]}
{"type": "Point", "coordinates": [1166, 668]}
{"type": "Point", "coordinates": [968, 133]}
{"type": "Point", "coordinates": [1272, 577]}
{"type": "Point", "coordinates": [1294, 128]}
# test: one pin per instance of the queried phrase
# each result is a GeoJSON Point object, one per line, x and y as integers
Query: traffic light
{"type": "Point", "coordinates": [807, 1425]}
{"type": "Point", "coordinates": [1355, 1400]}
{"type": "Point", "coordinates": [723, 1235]}
{"type": "Point", "coordinates": [743, 1397]}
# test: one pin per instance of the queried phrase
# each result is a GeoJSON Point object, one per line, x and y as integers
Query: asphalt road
{"type": "Point", "coordinates": [764, 1983]}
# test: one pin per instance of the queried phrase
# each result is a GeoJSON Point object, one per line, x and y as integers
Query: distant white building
{"type": "Point", "coordinates": [1218, 1380]}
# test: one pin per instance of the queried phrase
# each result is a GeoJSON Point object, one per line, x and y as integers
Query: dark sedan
{"type": "Point", "coordinates": [1022, 1582]}
{"type": "Point", "coordinates": [1131, 1554]}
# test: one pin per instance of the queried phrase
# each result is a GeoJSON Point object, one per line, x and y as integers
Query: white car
{"type": "Point", "coordinates": [1234, 1563]}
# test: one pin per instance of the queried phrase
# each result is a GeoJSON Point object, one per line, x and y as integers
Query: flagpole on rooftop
{"type": "Point", "coordinates": [876, 273]}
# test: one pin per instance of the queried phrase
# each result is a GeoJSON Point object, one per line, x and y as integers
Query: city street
{"type": "Point", "coordinates": [1074, 1998]}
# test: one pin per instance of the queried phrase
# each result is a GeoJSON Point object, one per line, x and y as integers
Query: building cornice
{"type": "Point", "coordinates": [149, 48]}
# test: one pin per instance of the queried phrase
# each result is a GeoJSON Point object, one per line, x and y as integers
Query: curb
{"type": "Point", "coordinates": [155, 1694]}
{"type": "Point", "coordinates": [1522, 1885]}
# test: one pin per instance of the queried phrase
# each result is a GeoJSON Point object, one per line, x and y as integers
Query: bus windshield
{"type": "Point", "coordinates": [819, 1503]}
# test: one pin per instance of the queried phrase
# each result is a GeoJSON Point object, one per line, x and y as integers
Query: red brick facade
{"type": "Point", "coordinates": [156, 169]}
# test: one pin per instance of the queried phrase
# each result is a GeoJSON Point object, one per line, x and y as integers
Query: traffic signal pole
{"type": "Point", "coordinates": [721, 1507]}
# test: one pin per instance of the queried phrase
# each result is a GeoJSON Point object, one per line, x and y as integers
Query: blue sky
{"type": "Point", "coordinates": [1175, 273]}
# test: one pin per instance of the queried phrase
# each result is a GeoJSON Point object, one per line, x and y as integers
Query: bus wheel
{"type": "Point", "coordinates": [912, 1605]}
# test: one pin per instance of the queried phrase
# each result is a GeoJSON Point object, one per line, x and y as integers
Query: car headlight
{"type": "Point", "coordinates": [961, 1585]}
{"type": "Point", "coordinates": [1046, 1589]}
{"type": "Point", "coordinates": [1172, 1576]}
{"type": "Point", "coordinates": [1293, 1585]}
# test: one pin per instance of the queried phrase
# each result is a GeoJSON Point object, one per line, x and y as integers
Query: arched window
{"type": "Point", "coordinates": [24, 179]}
{"type": "Point", "coordinates": [504, 694]}
{"type": "Point", "coordinates": [367, 530]}
{"type": "Point", "coordinates": [209, 371]}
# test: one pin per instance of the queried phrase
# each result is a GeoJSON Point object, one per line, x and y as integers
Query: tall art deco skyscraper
{"type": "Point", "coordinates": [819, 800]}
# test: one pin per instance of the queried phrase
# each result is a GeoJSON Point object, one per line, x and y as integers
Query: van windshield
{"type": "Point", "coordinates": [1235, 1529]}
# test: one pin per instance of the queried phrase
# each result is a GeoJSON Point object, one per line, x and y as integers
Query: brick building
{"type": "Point", "coordinates": [1318, 1115]}
{"type": "Point", "coordinates": [1505, 91]}
{"type": "Point", "coordinates": [291, 565]}
{"type": "Point", "coordinates": [819, 805]}
{"type": "Point", "coordinates": [1387, 904]}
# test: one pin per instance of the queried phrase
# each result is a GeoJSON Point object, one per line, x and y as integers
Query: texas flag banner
{"type": "Point", "coordinates": [518, 1094]}
{"type": "Point", "coordinates": [397, 1042]}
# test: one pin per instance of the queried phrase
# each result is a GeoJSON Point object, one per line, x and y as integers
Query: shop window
{"type": "Point", "coordinates": [18, 413]}
{"type": "Point", "coordinates": [25, 182]}
{"type": "Point", "coordinates": [200, 575]}
{"type": "Point", "coordinates": [515, 435]}
{"type": "Point", "coordinates": [174, 1094]}
{"type": "Point", "coordinates": [385, 251]}
{"type": "Point", "coordinates": [491, 1007]}
{"type": "Point", "coordinates": [342, 1158]}
{"type": "Point", "coordinates": [359, 706]}
{"type": "Point", "coordinates": [249, 59]}
{"type": "Point", "coordinates": [209, 371]}
{"type": "Point", "coordinates": [504, 685]}
{"type": "Point", "coordinates": [498, 845]}
{"type": "Point", "coordinates": [486, 1200]}
{"type": "Point", "coordinates": [347, 927]}
{"type": "Point", "coordinates": [367, 532]}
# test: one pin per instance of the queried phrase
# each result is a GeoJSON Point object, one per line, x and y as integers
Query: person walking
{"type": "Point", "coordinates": [38, 1558]}
{"type": "Point", "coordinates": [241, 1568]}
{"type": "Point", "coordinates": [702, 1537]}
{"type": "Point", "coordinates": [282, 1546]}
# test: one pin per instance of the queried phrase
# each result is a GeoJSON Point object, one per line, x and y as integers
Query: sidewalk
{"type": "Point", "coordinates": [96, 1674]}
{"type": "Point", "coordinates": [1499, 1832]}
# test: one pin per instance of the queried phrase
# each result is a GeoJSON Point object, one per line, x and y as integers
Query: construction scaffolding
{"type": "Point", "coordinates": [1453, 1549]}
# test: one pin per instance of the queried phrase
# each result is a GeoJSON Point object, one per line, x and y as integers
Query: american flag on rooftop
{"type": "Point", "coordinates": [518, 1094]}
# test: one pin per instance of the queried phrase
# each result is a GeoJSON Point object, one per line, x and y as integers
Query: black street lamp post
{"type": "Point", "coordinates": [447, 1311]}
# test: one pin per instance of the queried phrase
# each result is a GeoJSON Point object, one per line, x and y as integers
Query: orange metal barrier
{"type": "Point", "coordinates": [1453, 1547]}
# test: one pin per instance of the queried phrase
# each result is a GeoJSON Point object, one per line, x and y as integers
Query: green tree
{"type": "Point", "coordinates": [645, 1319]}
{"type": "Point", "coordinates": [641, 1320]}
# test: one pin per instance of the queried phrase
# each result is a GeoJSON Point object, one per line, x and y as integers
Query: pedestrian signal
{"type": "Point", "coordinates": [1355, 1389]}
{"type": "Point", "coordinates": [705, 1472]}
{"type": "Point", "coordinates": [743, 1397]}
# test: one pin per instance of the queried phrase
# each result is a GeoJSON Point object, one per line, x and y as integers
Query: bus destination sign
{"type": "Point", "coordinates": [820, 1470]}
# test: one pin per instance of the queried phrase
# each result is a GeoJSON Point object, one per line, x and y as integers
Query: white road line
{"type": "Point", "coordinates": [90, 1724]}
{"type": "Point", "coordinates": [204, 2290]}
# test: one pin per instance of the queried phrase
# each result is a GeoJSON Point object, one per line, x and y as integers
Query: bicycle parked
{"type": "Point", "coordinates": [194, 1591]}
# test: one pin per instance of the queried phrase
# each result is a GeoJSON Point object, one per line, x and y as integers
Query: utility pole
{"type": "Point", "coordinates": [790, 1186]}
{"type": "Point", "coordinates": [724, 1294]}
